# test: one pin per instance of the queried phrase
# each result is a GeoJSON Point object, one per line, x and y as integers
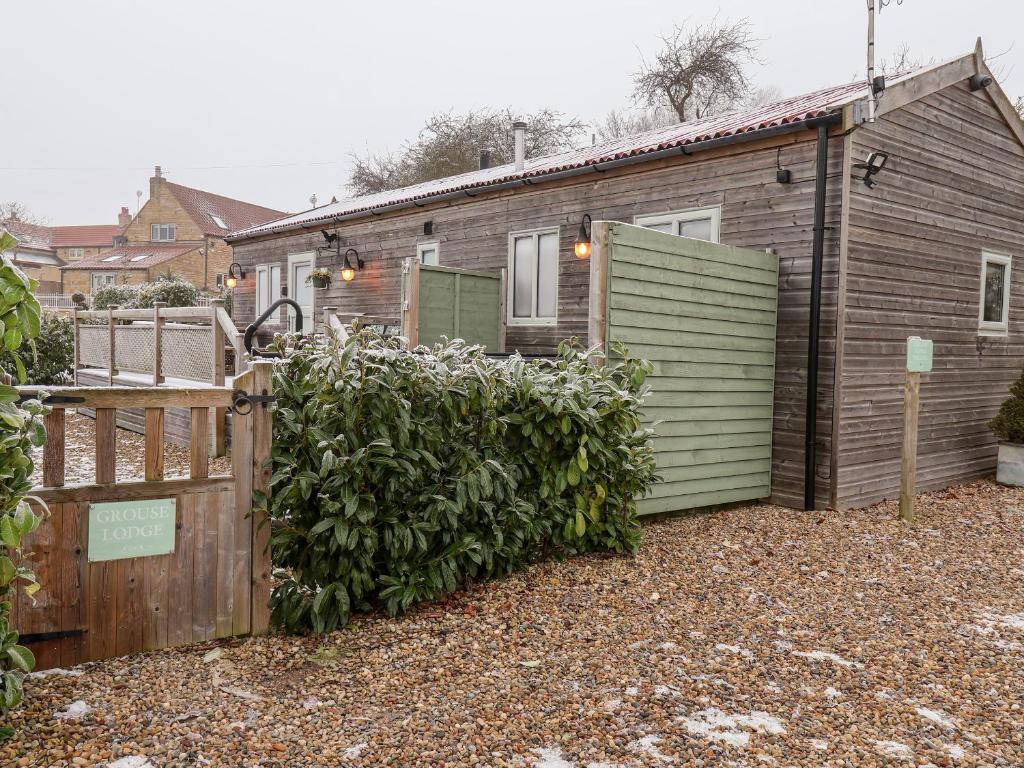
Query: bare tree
{"type": "Point", "coordinates": [12, 210]}
{"type": "Point", "coordinates": [450, 144]}
{"type": "Point", "coordinates": [903, 60]}
{"type": "Point", "coordinates": [619, 123]}
{"type": "Point", "coordinates": [700, 70]}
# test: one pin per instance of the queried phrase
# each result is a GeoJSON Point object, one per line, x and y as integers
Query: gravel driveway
{"type": "Point", "coordinates": [754, 637]}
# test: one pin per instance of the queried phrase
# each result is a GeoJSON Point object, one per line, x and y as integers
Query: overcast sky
{"type": "Point", "coordinates": [266, 100]}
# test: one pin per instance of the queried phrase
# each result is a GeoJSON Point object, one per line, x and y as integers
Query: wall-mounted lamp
{"type": "Point", "coordinates": [977, 82]}
{"type": "Point", "coordinates": [582, 247]}
{"type": "Point", "coordinates": [235, 273]}
{"type": "Point", "coordinates": [348, 272]}
{"type": "Point", "coordinates": [784, 176]}
{"type": "Point", "coordinates": [874, 165]}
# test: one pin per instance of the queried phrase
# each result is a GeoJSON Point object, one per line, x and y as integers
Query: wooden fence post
{"type": "Point", "coordinates": [328, 313]}
{"type": "Point", "coordinates": [158, 345]}
{"type": "Point", "coordinates": [411, 302]}
{"type": "Point", "coordinates": [78, 348]}
{"type": "Point", "coordinates": [111, 369]}
{"type": "Point", "coordinates": [597, 326]}
{"type": "Point", "coordinates": [220, 415]}
{"type": "Point", "coordinates": [262, 435]}
{"type": "Point", "coordinates": [919, 360]}
{"type": "Point", "coordinates": [503, 310]}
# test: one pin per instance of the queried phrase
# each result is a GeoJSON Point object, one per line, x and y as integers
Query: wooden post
{"type": "Point", "coordinates": [919, 360]}
{"type": "Point", "coordinates": [53, 449]}
{"type": "Point", "coordinates": [908, 466]}
{"type": "Point", "coordinates": [220, 415]}
{"type": "Point", "coordinates": [158, 345]}
{"type": "Point", "coordinates": [600, 257]}
{"type": "Point", "coordinates": [328, 313]}
{"type": "Point", "coordinates": [78, 348]}
{"type": "Point", "coordinates": [411, 302]}
{"type": "Point", "coordinates": [262, 434]}
{"type": "Point", "coordinates": [503, 311]}
{"type": "Point", "coordinates": [111, 369]}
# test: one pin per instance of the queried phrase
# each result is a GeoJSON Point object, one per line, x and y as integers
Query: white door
{"type": "Point", "coordinates": [299, 267]}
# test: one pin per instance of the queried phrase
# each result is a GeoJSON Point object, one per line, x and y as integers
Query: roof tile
{"type": "Point", "coordinates": [132, 257]}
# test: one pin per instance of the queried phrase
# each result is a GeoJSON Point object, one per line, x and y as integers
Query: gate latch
{"type": "Point", "coordinates": [242, 402]}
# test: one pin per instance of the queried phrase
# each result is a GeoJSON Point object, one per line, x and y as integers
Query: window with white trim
{"type": "Point", "coordinates": [268, 288]}
{"type": "Point", "coordinates": [994, 305]}
{"type": "Point", "coordinates": [74, 254]}
{"type": "Point", "coordinates": [427, 253]}
{"type": "Point", "coordinates": [533, 277]}
{"type": "Point", "coordinates": [101, 280]}
{"type": "Point", "coordinates": [218, 280]}
{"type": "Point", "coordinates": [698, 223]}
{"type": "Point", "coordinates": [218, 221]}
{"type": "Point", "coordinates": [163, 233]}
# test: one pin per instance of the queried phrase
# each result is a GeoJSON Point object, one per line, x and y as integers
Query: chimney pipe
{"type": "Point", "coordinates": [485, 159]}
{"type": "Point", "coordinates": [124, 218]}
{"type": "Point", "coordinates": [154, 183]}
{"type": "Point", "coordinates": [519, 131]}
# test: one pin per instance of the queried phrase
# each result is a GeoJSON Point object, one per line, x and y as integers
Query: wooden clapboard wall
{"type": "Point", "coordinates": [705, 315]}
{"type": "Point", "coordinates": [455, 304]}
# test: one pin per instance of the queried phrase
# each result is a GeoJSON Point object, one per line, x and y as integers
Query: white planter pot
{"type": "Point", "coordinates": [1010, 467]}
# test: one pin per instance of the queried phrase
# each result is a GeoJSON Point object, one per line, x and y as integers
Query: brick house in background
{"type": "Point", "coordinates": [179, 231]}
{"type": "Point", "coordinates": [33, 253]}
{"type": "Point", "coordinates": [74, 243]}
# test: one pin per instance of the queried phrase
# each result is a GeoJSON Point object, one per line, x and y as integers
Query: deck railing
{"type": "Point", "coordinates": [59, 300]}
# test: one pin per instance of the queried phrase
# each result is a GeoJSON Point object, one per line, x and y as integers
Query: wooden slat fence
{"type": "Point", "coordinates": [215, 583]}
{"type": "Point", "coordinates": [705, 315]}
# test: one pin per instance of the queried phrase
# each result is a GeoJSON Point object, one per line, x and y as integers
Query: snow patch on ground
{"type": "Point", "coordinates": [132, 761]}
{"type": "Point", "coordinates": [631, 691]}
{"type": "Point", "coordinates": [76, 711]}
{"type": "Point", "coordinates": [956, 752]}
{"type": "Point", "coordinates": [57, 672]}
{"type": "Point", "coordinates": [550, 758]}
{"type": "Point", "coordinates": [895, 749]}
{"type": "Point", "coordinates": [716, 725]}
{"type": "Point", "coordinates": [737, 649]}
{"type": "Point", "coordinates": [833, 693]}
{"type": "Point", "coordinates": [351, 753]}
{"type": "Point", "coordinates": [819, 744]}
{"type": "Point", "coordinates": [827, 656]}
{"type": "Point", "coordinates": [1010, 621]}
{"type": "Point", "coordinates": [940, 718]}
{"type": "Point", "coordinates": [648, 745]}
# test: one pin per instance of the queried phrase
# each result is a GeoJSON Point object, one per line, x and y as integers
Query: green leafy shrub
{"type": "Point", "coordinates": [1008, 424]}
{"type": "Point", "coordinates": [397, 476]}
{"type": "Point", "coordinates": [49, 359]}
{"type": "Point", "coordinates": [21, 430]}
{"type": "Point", "coordinates": [173, 291]}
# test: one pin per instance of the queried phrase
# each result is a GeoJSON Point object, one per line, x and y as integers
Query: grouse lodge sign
{"type": "Point", "coordinates": [124, 529]}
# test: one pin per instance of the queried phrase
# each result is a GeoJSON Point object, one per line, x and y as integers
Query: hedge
{"type": "Point", "coordinates": [1008, 424]}
{"type": "Point", "coordinates": [397, 476]}
{"type": "Point", "coordinates": [174, 291]}
{"type": "Point", "coordinates": [49, 359]}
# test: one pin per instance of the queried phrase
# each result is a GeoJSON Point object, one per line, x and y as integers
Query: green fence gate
{"type": "Point", "coordinates": [454, 303]}
{"type": "Point", "coordinates": [705, 315]}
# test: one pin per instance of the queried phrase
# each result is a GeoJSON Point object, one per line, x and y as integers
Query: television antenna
{"type": "Point", "coordinates": [874, 6]}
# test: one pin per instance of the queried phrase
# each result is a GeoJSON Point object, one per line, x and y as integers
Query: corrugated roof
{"type": "Point", "coordinates": [784, 112]}
{"type": "Point", "coordinates": [205, 208]}
{"type": "Point", "coordinates": [132, 257]}
{"type": "Point", "coordinates": [84, 236]}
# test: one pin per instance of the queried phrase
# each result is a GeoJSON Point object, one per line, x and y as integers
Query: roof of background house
{"type": "Point", "coordinates": [797, 109]}
{"type": "Point", "coordinates": [85, 236]}
{"type": "Point", "coordinates": [28, 235]}
{"type": "Point", "coordinates": [202, 207]}
{"type": "Point", "coordinates": [132, 257]}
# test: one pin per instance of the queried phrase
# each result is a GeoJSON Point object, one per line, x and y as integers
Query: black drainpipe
{"type": "Point", "coordinates": [817, 257]}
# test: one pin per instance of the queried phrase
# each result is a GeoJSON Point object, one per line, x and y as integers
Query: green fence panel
{"type": "Point", "coordinates": [460, 304]}
{"type": "Point", "coordinates": [705, 315]}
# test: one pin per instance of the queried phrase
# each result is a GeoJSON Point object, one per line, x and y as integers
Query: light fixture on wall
{"type": "Point", "coordinates": [582, 247]}
{"type": "Point", "coordinates": [875, 163]}
{"type": "Point", "coordinates": [348, 272]}
{"type": "Point", "coordinates": [235, 273]}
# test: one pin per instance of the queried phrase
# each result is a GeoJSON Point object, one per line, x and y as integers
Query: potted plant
{"type": "Point", "coordinates": [1008, 426]}
{"type": "Point", "coordinates": [319, 278]}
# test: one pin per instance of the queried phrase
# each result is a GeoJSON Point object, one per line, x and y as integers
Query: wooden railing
{"type": "Point", "coordinates": [341, 324]}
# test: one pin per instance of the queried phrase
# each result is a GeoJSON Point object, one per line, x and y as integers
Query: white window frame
{"type": "Point", "coordinates": [272, 275]}
{"type": "Point", "coordinates": [434, 245]}
{"type": "Point", "coordinates": [689, 214]}
{"type": "Point", "coordinates": [988, 327]}
{"type": "Point", "coordinates": [155, 233]}
{"type": "Point", "coordinates": [218, 280]}
{"type": "Point", "coordinates": [74, 254]}
{"type": "Point", "coordinates": [106, 282]}
{"type": "Point", "coordinates": [295, 259]}
{"type": "Point", "coordinates": [217, 220]}
{"type": "Point", "coordinates": [511, 292]}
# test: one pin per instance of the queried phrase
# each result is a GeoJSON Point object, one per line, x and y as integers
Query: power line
{"type": "Point", "coordinates": [46, 168]}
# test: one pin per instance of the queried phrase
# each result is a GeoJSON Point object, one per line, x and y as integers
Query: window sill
{"type": "Point", "coordinates": [529, 323]}
{"type": "Point", "coordinates": [993, 333]}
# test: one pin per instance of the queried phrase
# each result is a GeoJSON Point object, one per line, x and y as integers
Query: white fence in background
{"type": "Point", "coordinates": [58, 300]}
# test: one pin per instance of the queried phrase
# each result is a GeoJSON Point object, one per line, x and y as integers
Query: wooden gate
{"type": "Point", "coordinates": [215, 582]}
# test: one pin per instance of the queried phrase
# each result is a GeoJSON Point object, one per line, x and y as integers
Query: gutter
{"type": "Point", "coordinates": [813, 331]}
{"type": "Point", "coordinates": [608, 165]}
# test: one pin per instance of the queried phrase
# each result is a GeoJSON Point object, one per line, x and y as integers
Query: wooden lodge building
{"type": "Point", "coordinates": [923, 244]}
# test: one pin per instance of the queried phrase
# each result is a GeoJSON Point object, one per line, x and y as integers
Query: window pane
{"type": "Point", "coordinates": [262, 290]}
{"type": "Point", "coordinates": [699, 229]}
{"type": "Point", "coordinates": [275, 290]}
{"type": "Point", "coordinates": [547, 276]}
{"type": "Point", "coordinates": [154, 232]}
{"type": "Point", "coordinates": [428, 256]}
{"type": "Point", "coordinates": [665, 226]}
{"type": "Point", "coordinates": [995, 277]}
{"type": "Point", "coordinates": [522, 265]}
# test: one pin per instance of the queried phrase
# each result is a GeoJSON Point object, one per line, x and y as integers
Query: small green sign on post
{"type": "Point", "coordinates": [123, 529]}
{"type": "Point", "coordinates": [919, 355]}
